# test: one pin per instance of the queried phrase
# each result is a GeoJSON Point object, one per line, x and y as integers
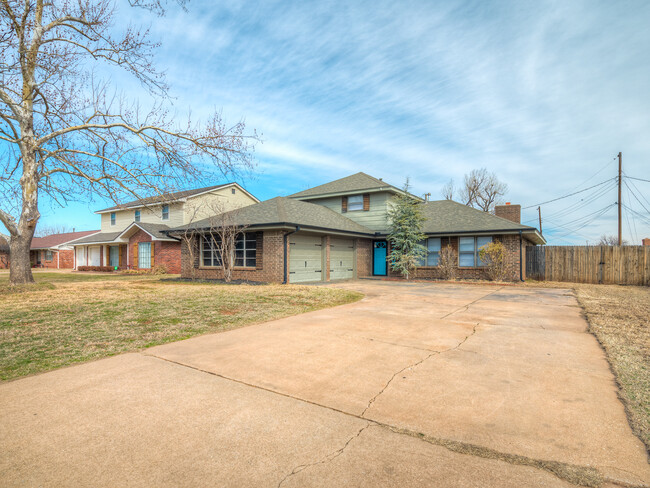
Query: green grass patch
{"type": "Point", "coordinates": [50, 325]}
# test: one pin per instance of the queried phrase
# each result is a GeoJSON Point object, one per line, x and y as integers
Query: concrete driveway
{"type": "Point", "coordinates": [415, 385]}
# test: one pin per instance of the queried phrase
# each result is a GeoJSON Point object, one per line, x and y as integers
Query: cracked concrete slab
{"type": "Point", "coordinates": [502, 369]}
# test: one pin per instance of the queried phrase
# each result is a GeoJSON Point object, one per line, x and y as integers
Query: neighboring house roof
{"type": "Point", "coordinates": [56, 240]}
{"type": "Point", "coordinates": [350, 184]}
{"type": "Point", "coordinates": [449, 217]}
{"type": "Point", "coordinates": [99, 238]}
{"type": "Point", "coordinates": [154, 230]}
{"type": "Point", "coordinates": [284, 211]}
{"type": "Point", "coordinates": [172, 197]}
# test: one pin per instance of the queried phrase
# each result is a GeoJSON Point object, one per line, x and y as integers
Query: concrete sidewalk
{"type": "Point", "coordinates": [416, 385]}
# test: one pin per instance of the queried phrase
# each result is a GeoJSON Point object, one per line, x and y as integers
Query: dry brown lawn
{"type": "Point", "coordinates": [619, 317]}
{"type": "Point", "coordinates": [56, 324]}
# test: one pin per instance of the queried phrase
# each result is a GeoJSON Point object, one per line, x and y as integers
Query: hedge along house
{"type": "Point", "coordinates": [133, 234]}
{"type": "Point", "coordinates": [339, 231]}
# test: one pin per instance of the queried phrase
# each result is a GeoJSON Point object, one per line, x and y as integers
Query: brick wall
{"type": "Point", "coordinates": [510, 242]}
{"type": "Point", "coordinates": [165, 253]}
{"type": "Point", "coordinates": [509, 212]}
{"type": "Point", "coordinates": [269, 261]}
{"type": "Point", "coordinates": [364, 257]}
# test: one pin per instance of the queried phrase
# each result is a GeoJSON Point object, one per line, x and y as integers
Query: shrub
{"type": "Point", "coordinates": [448, 263]}
{"type": "Point", "coordinates": [105, 269]}
{"type": "Point", "coordinates": [160, 269]}
{"type": "Point", "coordinates": [493, 255]}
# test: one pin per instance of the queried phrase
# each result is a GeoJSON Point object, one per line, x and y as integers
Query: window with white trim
{"type": "Point", "coordinates": [137, 216]}
{"type": "Point", "coordinates": [165, 212]}
{"type": "Point", "coordinates": [246, 250]}
{"type": "Point", "coordinates": [210, 253]}
{"type": "Point", "coordinates": [468, 248]}
{"type": "Point", "coordinates": [48, 255]}
{"type": "Point", "coordinates": [112, 218]}
{"type": "Point", "coordinates": [355, 202]}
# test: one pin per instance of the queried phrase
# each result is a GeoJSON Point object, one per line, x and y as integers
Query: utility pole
{"type": "Point", "coordinates": [539, 211]}
{"type": "Point", "coordinates": [620, 212]}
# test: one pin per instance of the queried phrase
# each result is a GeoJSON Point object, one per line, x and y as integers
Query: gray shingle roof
{"type": "Point", "coordinates": [54, 240]}
{"type": "Point", "coordinates": [153, 229]}
{"type": "Point", "coordinates": [95, 238]}
{"type": "Point", "coordinates": [165, 198]}
{"type": "Point", "coordinates": [285, 210]}
{"type": "Point", "coordinates": [352, 183]}
{"type": "Point", "coordinates": [447, 216]}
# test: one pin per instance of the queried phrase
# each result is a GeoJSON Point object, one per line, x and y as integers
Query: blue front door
{"type": "Point", "coordinates": [379, 258]}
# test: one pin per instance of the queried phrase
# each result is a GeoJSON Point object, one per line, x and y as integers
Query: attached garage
{"type": "Point", "coordinates": [341, 259]}
{"type": "Point", "coordinates": [305, 258]}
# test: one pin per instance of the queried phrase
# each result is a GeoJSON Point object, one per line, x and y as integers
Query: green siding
{"type": "Point", "coordinates": [375, 219]}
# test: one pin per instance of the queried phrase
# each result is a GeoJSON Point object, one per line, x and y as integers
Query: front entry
{"type": "Point", "coordinates": [379, 267]}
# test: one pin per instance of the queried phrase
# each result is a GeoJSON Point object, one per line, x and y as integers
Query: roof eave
{"type": "Point", "coordinates": [281, 225]}
{"type": "Point", "coordinates": [391, 189]}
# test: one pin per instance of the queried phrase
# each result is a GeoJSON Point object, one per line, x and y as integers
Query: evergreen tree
{"type": "Point", "coordinates": [405, 234]}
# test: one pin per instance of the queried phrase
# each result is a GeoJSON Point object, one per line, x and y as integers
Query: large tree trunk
{"type": "Point", "coordinates": [20, 270]}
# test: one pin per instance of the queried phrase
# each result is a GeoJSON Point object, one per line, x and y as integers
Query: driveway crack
{"type": "Point", "coordinates": [466, 307]}
{"type": "Point", "coordinates": [331, 456]}
{"type": "Point", "coordinates": [417, 363]}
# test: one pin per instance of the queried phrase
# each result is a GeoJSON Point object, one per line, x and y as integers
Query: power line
{"type": "Point", "coordinates": [569, 195]}
{"type": "Point", "coordinates": [638, 179]}
{"type": "Point", "coordinates": [642, 217]}
{"type": "Point", "coordinates": [640, 192]}
{"type": "Point", "coordinates": [637, 198]}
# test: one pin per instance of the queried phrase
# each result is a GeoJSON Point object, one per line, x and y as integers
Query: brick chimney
{"type": "Point", "coordinates": [646, 241]}
{"type": "Point", "coordinates": [510, 212]}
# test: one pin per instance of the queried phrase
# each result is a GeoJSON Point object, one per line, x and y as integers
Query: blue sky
{"type": "Point", "coordinates": [544, 94]}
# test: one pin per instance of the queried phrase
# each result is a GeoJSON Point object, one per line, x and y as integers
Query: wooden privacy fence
{"type": "Point", "coordinates": [622, 265]}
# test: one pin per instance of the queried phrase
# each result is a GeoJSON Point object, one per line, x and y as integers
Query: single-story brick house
{"type": "Point", "coordinates": [54, 251]}
{"type": "Point", "coordinates": [132, 234]}
{"type": "Point", "coordinates": [339, 230]}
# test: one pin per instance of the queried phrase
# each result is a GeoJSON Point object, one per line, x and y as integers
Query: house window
{"type": "Point", "coordinates": [112, 218]}
{"type": "Point", "coordinates": [114, 256]}
{"type": "Point", "coordinates": [355, 202]}
{"type": "Point", "coordinates": [233, 191]}
{"type": "Point", "coordinates": [210, 254]}
{"type": "Point", "coordinates": [144, 255]}
{"type": "Point", "coordinates": [246, 249]}
{"type": "Point", "coordinates": [468, 248]}
{"type": "Point", "coordinates": [137, 215]}
{"type": "Point", "coordinates": [165, 212]}
{"type": "Point", "coordinates": [48, 255]}
{"type": "Point", "coordinates": [432, 245]}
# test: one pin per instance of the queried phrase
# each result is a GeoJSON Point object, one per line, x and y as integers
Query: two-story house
{"type": "Point", "coordinates": [339, 230]}
{"type": "Point", "coordinates": [132, 234]}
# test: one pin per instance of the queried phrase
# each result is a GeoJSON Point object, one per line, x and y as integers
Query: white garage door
{"type": "Point", "coordinates": [93, 256]}
{"type": "Point", "coordinates": [305, 258]}
{"type": "Point", "coordinates": [81, 256]}
{"type": "Point", "coordinates": [341, 259]}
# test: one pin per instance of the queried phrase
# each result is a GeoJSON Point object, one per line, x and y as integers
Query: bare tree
{"type": "Point", "coordinates": [48, 230]}
{"type": "Point", "coordinates": [223, 231]}
{"type": "Point", "coordinates": [480, 190]}
{"type": "Point", "coordinates": [611, 240]}
{"type": "Point", "coordinates": [68, 135]}
{"type": "Point", "coordinates": [448, 190]}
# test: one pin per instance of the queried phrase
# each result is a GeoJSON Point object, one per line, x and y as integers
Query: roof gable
{"type": "Point", "coordinates": [350, 184]}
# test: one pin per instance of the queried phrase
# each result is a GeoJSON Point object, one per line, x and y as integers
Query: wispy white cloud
{"type": "Point", "coordinates": [542, 94]}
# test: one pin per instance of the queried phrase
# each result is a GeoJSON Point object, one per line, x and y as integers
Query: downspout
{"type": "Point", "coordinates": [286, 240]}
{"type": "Point", "coordinates": [521, 264]}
